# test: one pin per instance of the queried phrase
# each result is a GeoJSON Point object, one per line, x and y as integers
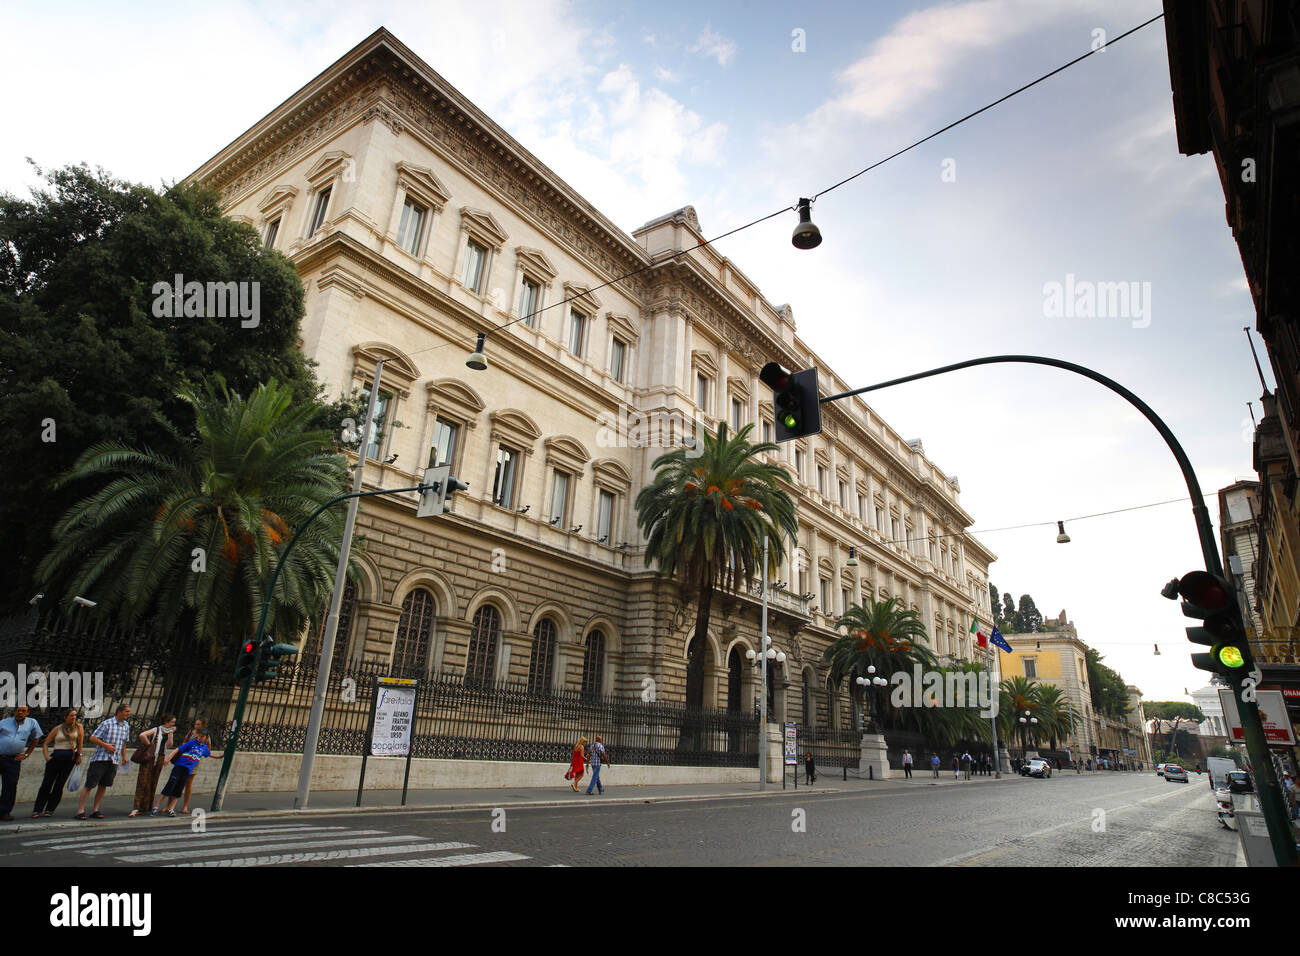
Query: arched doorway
{"type": "Point", "coordinates": [735, 681]}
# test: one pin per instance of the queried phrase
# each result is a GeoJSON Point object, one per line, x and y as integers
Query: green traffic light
{"type": "Point", "coordinates": [1231, 656]}
{"type": "Point", "coordinates": [788, 420]}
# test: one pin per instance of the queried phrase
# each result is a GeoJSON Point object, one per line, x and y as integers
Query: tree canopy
{"type": "Point", "coordinates": [83, 358]}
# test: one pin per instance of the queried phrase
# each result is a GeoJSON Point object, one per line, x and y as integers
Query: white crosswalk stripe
{"type": "Point", "coordinates": [250, 844]}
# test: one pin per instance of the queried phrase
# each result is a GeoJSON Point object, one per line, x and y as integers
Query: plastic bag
{"type": "Point", "coordinates": [74, 780]}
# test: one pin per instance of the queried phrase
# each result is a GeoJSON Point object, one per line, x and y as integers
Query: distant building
{"type": "Point", "coordinates": [1207, 701]}
{"type": "Point", "coordinates": [1239, 540]}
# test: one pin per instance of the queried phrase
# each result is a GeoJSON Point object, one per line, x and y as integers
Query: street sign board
{"type": "Point", "coordinates": [393, 717]}
{"type": "Point", "coordinates": [431, 501]}
{"type": "Point", "coordinates": [1272, 714]}
{"type": "Point", "coordinates": [791, 745]}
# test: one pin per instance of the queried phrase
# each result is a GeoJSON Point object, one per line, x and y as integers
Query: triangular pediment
{"type": "Point", "coordinates": [279, 196]}
{"type": "Point", "coordinates": [482, 223]}
{"type": "Point", "coordinates": [535, 261]}
{"type": "Point", "coordinates": [420, 182]}
{"type": "Point", "coordinates": [327, 166]}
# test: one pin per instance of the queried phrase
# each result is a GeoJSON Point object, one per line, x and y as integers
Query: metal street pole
{"type": "Point", "coordinates": [1270, 795]}
{"type": "Point", "coordinates": [762, 685]}
{"type": "Point", "coordinates": [336, 603]}
{"type": "Point", "coordinates": [993, 720]}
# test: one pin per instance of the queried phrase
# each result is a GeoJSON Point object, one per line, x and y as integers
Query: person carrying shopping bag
{"type": "Point", "coordinates": [66, 739]}
{"type": "Point", "coordinates": [151, 755]}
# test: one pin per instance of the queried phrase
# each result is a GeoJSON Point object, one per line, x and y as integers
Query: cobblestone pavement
{"type": "Point", "coordinates": [1099, 820]}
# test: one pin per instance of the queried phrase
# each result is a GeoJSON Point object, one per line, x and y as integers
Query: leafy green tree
{"type": "Point", "coordinates": [1174, 713]}
{"type": "Point", "coordinates": [1009, 613]}
{"type": "Point", "coordinates": [1029, 620]}
{"type": "Point", "coordinates": [192, 535]}
{"type": "Point", "coordinates": [705, 515]}
{"type": "Point", "coordinates": [84, 360]}
{"type": "Point", "coordinates": [995, 602]}
{"type": "Point", "coordinates": [1107, 689]}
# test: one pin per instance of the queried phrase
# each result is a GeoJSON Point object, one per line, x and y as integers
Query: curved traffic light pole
{"type": "Point", "coordinates": [232, 740]}
{"type": "Point", "coordinates": [1274, 808]}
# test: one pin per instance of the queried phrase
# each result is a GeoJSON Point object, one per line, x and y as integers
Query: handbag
{"type": "Point", "coordinates": [144, 752]}
{"type": "Point", "coordinates": [74, 780]}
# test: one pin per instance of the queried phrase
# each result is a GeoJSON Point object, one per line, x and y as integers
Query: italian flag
{"type": "Point", "coordinates": [977, 633]}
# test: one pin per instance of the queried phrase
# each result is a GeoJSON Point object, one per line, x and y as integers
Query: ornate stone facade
{"type": "Point", "coordinates": [416, 223]}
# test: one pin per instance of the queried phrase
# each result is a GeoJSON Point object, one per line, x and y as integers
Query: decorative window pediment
{"type": "Point", "coordinates": [610, 474]}
{"type": "Point", "coordinates": [484, 226]}
{"type": "Point", "coordinates": [622, 326]}
{"type": "Point", "coordinates": [582, 298]}
{"type": "Point", "coordinates": [566, 453]}
{"type": "Point", "coordinates": [514, 428]}
{"type": "Point", "coordinates": [704, 362]}
{"type": "Point", "coordinates": [738, 387]}
{"type": "Point", "coordinates": [278, 200]}
{"type": "Point", "coordinates": [327, 167]}
{"type": "Point", "coordinates": [534, 261]}
{"type": "Point", "coordinates": [825, 567]}
{"type": "Point", "coordinates": [420, 183]}
{"type": "Point", "coordinates": [399, 371]}
{"type": "Point", "coordinates": [455, 399]}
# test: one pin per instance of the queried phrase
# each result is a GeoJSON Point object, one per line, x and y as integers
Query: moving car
{"type": "Point", "coordinates": [1173, 772]}
{"type": "Point", "coordinates": [1160, 769]}
{"type": "Point", "coordinates": [1037, 767]}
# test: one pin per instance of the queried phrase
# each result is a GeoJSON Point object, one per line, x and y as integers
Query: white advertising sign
{"type": "Point", "coordinates": [1272, 714]}
{"type": "Point", "coordinates": [394, 713]}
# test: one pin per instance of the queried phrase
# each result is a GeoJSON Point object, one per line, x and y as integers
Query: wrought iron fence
{"type": "Point", "coordinates": [454, 719]}
{"type": "Point", "coordinates": [830, 748]}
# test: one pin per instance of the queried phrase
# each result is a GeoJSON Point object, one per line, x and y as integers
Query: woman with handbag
{"type": "Point", "coordinates": [578, 763]}
{"type": "Point", "coordinates": [66, 739]}
{"type": "Point", "coordinates": [150, 755]}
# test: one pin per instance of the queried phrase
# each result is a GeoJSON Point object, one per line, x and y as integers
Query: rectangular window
{"type": "Point", "coordinates": [475, 259]}
{"type": "Point", "coordinates": [880, 519]}
{"type": "Point", "coordinates": [862, 507]}
{"type": "Point", "coordinates": [377, 423]}
{"type": "Point", "coordinates": [605, 517]}
{"type": "Point", "coordinates": [893, 529]}
{"type": "Point", "coordinates": [844, 600]}
{"type": "Point", "coordinates": [1031, 668]}
{"type": "Point", "coordinates": [503, 485]}
{"type": "Point", "coordinates": [735, 414]}
{"type": "Point", "coordinates": [528, 298]}
{"type": "Point", "coordinates": [577, 332]}
{"type": "Point", "coordinates": [617, 357]}
{"type": "Point", "coordinates": [318, 214]}
{"type": "Point", "coordinates": [821, 480]}
{"type": "Point", "coordinates": [767, 431]}
{"type": "Point", "coordinates": [844, 495]}
{"type": "Point", "coordinates": [702, 391]}
{"type": "Point", "coordinates": [445, 435]}
{"type": "Point", "coordinates": [826, 596]}
{"type": "Point", "coordinates": [560, 500]}
{"type": "Point", "coordinates": [798, 464]}
{"type": "Point", "coordinates": [411, 227]}
{"type": "Point", "coordinates": [272, 230]}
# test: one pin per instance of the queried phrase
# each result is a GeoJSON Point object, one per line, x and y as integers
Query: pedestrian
{"type": "Point", "coordinates": [1089, 765]}
{"type": "Point", "coordinates": [19, 736]}
{"type": "Point", "coordinates": [200, 727]}
{"type": "Point", "coordinates": [151, 755]}
{"type": "Point", "coordinates": [109, 739]}
{"type": "Point", "coordinates": [66, 740]}
{"type": "Point", "coordinates": [966, 761]}
{"type": "Point", "coordinates": [907, 764]}
{"type": "Point", "coordinates": [809, 768]}
{"type": "Point", "coordinates": [185, 761]}
{"type": "Point", "coordinates": [577, 763]}
{"type": "Point", "coordinates": [934, 765]}
{"type": "Point", "coordinates": [597, 758]}
{"type": "Point", "coordinates": [956, 766]}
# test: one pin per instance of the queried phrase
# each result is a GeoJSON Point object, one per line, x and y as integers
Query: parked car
{"type": "Point", "coordinates": [1238, 781]}
{"type": "Point", "coordinates": [1173, 773]}
{"type": "Point", "coordinates": [1037, 767]}
{"type": "Point", "coordinates": [1160, 769]}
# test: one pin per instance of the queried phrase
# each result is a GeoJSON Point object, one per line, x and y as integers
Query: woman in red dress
{"type": "Point", "coordinates": [578, 765]}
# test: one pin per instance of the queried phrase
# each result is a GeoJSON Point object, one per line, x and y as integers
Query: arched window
{"type": "Point", "coordinates": [541, 663]}
{"type": "Point", "coordinates": [593, 664]}
{"type": "Point", "coordinates": [481, 662]}
{"type": "Point", "coordinates": [312, 646]}
{"type": "Point", "coordinates": [414, 632]}
{"type": "Point", "coordinates": [735, 674]}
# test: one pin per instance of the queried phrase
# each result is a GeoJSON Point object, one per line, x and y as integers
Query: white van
{"type": "Point", "coordinates": [1218, 768]}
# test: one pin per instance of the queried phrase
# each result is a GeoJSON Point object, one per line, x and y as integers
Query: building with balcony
{"type": "Point", "coordinates": [417, 223]}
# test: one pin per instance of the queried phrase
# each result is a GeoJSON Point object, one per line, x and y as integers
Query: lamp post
{"type": "Point", "coordinates": [874, 683]}
{"type": "Point", "coordinates": [1272, 804]}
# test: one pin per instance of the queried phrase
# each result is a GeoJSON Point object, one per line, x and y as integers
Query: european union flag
{"type": "Point", "coordinates": [997, 638]}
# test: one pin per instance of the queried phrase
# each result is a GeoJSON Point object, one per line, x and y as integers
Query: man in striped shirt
{"type": "Point", "coordinates": [109, 739]}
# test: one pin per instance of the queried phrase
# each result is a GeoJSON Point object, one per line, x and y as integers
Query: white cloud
{"type": "Point", "coordinates": [715, 45]}
{"type": "Point", "coordinates": [665, 75]}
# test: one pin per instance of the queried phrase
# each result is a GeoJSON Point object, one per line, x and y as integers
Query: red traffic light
{"type": "Point", "coordinates": [248, 648]}
{"type": "Point", "coordinates": [1204, 590]}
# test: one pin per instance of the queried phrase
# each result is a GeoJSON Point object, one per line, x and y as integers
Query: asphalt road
{"type": "Point", "coordinates": [1099, 820]}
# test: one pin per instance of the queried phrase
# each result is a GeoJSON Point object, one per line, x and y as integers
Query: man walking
{"type": "Point", "coordinates": [966, 760]}
{"type": "Point", "coordinates": [934, 765]}
{"type": "Point", "coordinates": [109, 739]}
{"type": "Point", "coordinates": [907, 764]}
{"type": "Point", "coordinates": [597, 758]}
{"type": "Point", "coordinates": [19, 736]}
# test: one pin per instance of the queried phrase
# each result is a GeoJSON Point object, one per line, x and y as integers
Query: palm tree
{"type": "Point", "coordinates": [880, 634]}
{"type": "Point", "coordinates": [705, 516]}
{"type": "Point", "coordinates": [191, 538]}
{"type": "Point", "coordinates": [1018, 694]}
{"type": "Point", "coordinates": [1056, 716]}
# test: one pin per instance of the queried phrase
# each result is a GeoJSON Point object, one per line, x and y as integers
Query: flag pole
{"type": "Point", "coordinates": [996, 699]}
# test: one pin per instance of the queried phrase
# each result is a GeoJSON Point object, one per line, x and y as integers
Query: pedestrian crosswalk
{"type": "Point", "coordinates": [269, 845]}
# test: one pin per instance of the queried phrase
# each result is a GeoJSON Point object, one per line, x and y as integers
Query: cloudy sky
{"type": "Point", "coordinates": [946, 253]}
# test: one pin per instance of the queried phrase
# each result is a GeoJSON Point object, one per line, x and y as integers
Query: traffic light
{"type": "Point", "coordinates": [269, 666]}
{"type": "Point", "coordinates": [244, 665]}
{"type": "Point", "coordinates": [794, 397]}
{"type": "Point", "coordinates": [1210, 599]}
{"type": "Point", "coordinates": [439, 486]}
